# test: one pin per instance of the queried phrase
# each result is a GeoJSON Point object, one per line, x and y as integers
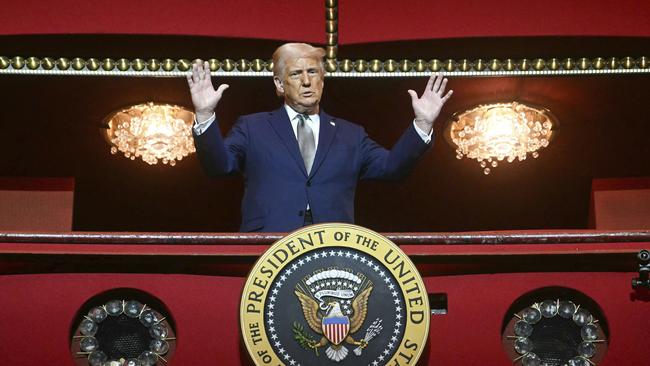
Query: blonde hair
{"type": "Point", "coordinates": [295, 50]}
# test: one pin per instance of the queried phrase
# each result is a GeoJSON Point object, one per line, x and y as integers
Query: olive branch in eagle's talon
{"type": "Point", "coordinates": [303, 339]}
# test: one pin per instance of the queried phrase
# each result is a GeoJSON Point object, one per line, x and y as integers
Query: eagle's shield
{"type": "Point", "coordinates": [336, 328]}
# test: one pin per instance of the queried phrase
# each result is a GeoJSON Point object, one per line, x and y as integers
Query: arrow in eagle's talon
{"type": "Point", "coordinates": [361, 345]}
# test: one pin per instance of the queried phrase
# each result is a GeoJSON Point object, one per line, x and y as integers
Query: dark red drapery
{"type": "Point", "coordinates": [360, 21]}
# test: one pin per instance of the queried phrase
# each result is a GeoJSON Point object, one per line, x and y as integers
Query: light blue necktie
{"type": "Point", "coordinates": [306, 141]}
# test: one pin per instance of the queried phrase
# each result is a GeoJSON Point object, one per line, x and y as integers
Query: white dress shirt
{"type": "Point", "coordinates": [313, 121]}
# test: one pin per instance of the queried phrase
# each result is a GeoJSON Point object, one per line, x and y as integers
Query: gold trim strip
{"type": "Point", "coordinates": [336, 68]}
{"type": "Point", "coordinates": [130, 73]}
{"type": "Point", "coordinates": [331, 34]}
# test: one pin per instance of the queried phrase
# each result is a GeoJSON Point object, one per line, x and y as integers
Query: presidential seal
{"type": "Point", "coordinates": [334, 294]}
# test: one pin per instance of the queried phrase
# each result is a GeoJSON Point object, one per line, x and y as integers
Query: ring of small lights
{"type": "Point", "coordinates": [526, 320]}
{"type": "Point", "coordinates": [87, 344]}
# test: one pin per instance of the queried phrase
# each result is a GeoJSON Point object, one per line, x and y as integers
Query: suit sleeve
{"type": "Point", "coordinates": [380, 163]}
{"type": "Point", "coordinates": [222, 156]}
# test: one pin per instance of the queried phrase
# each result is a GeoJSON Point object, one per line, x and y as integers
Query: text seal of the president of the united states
{"type": "Point", "coordinates": [334, 294]}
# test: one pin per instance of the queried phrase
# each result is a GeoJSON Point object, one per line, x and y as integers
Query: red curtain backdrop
{"type": "Point", "coordinates": [283, 20]}
{"type": "Point", "coordinates": [360, 21]}
{"type": "Point", "coordinates": [375, 21]}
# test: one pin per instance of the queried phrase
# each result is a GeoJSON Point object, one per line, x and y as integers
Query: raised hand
{"type": "Point", "coordinates": [204, 97]}
{"type": "Point", "coordinates": [427, 108]}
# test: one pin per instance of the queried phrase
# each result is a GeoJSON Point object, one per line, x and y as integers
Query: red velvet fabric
{"type": "Point", "coordinates": [360, 21]}
{"type": "Point", "coordinates": [376, 21]}
{"type": "Point", "coordinates": [283, 20]}
{"type": "Point", "coordinates": [620, 204]}
{"type": "Point", "coordinates": [40, 310]}
{"type": "Point", "coordinates": [44, 285]}
{"type": "Point", "coordinates": [36, 204]}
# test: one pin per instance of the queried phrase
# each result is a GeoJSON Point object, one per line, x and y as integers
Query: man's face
{"type": "Point", "coordinates": [302, 84]}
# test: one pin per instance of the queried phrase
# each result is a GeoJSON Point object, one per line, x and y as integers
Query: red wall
{"type": "Point", "coordinates": [359, 20]}
{"type": "Point", "coordinates": [36, 204]}
{"type": "Point", "coordinates": [41, 308]}
{"type": "Point", "coordinates": [43, 286]}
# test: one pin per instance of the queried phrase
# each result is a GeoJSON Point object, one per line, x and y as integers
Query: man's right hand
{"type": "Point", "coordinates": [204, 97]}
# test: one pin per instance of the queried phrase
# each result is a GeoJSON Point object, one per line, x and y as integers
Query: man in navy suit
{"type": "Point", "coordinates": [301, 165]}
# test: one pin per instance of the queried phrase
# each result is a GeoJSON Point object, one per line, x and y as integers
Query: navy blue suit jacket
{"type": "Point", "coordinates": [263, 147]}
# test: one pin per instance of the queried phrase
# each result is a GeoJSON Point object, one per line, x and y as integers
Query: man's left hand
{"type": "Point", "coordinates": [427, 108]}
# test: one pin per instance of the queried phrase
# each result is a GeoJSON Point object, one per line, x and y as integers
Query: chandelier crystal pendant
{"type": "Point", "coordinates": [502, 131]}
{"type": "Point", "coordinates": [153, 132]}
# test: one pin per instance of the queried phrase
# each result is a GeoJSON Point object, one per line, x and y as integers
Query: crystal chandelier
{"type": "Point", "coordinates": [152, 132]}
{"type": "Point", "coordinates": [502, 131]}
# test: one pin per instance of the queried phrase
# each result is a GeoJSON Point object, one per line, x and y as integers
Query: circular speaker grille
{"type": "Point", "coordinates": [555, 332]}
{"type": "Point", "coordinates": [556, 340]}
{"type": "Point", "coordinates": [124, 331]}
{"type": "Point", "coordinates": [123, 337]}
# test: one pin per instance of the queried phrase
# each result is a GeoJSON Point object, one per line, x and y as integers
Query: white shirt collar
{"type": "Point", "coordinates": [292, 114]}
{"type": "Point", "coordinates": [314, 122]}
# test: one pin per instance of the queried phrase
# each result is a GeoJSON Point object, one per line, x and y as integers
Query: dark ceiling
{"type": "Point", "coordinates": [50, 127]}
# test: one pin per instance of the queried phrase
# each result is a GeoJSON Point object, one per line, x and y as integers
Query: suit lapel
{"type": "Point", "coordinates": [279, 120]}
{"type": "Point", "coordinates": [325, 138]}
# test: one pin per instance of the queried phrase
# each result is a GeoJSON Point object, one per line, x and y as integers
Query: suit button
{"type": "Point", "coordinates": [300, 213]}
{"type": "Point", "coordinates": [308, 183]}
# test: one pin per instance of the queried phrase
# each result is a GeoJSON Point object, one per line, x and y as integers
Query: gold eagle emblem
{"type": "Point", "coordinates": [317, 316]}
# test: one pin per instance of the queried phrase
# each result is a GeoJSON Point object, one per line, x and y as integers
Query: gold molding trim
{"type": "Point", "coordinates": [331, 34]}
{"type": "Point", "coordinates": [336, 68]}
{"type": "Point", "coordinates": [411, 329]}
{"type": "Point", "coordinates": [375, 68]}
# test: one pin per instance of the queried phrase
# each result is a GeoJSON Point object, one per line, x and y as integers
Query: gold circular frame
{"type": "Point", "coordinates": [341, 236]}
